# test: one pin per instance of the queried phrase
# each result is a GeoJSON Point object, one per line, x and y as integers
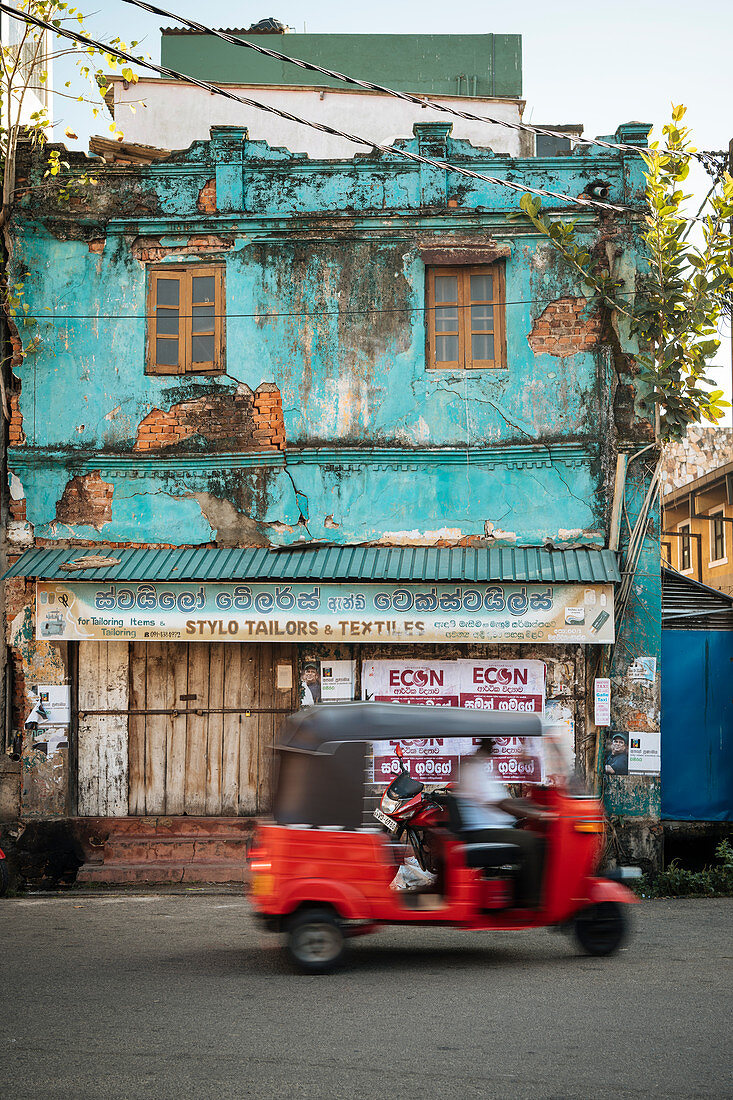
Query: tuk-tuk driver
{"type": "Point", "coordinates": [489, 813]}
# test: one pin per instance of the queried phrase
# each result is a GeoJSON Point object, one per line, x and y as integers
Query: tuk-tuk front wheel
{"type": "Point", "coordinates": [315, 940]}
{"type": "Point", "coordinates": [601, 929]}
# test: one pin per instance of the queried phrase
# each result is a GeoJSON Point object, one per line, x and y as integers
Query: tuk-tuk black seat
{"type": "Point", "coordinates": [485, 854]}
{"type": "Point", "coordinates": [478, 847]}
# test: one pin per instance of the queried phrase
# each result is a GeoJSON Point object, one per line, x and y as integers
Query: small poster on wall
{"type": "Point", "coordinates": [327, 681]}
{"type": "Point", "coordinates": [337, 681]}
{"type": "Point", "coordinates": [602, 701]}
{"type": "Point", "coordinates": [616, 760]}
{"type": "Point", "coordinates": [645, 756]}
{"type": "Point", "coordinates": [56, 702]}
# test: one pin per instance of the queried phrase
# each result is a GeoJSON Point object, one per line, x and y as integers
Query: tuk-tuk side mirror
{"type": "Point", "coordinates": [398, 752]}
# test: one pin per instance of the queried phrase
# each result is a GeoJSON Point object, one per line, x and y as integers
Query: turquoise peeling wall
{"type": "Point", "coordinates": [377, 446]}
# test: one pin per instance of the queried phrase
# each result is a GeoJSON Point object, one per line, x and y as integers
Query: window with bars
{"type": "Point", "coordinates": [717, 538]}
{"type": "Point", "coordinates": [186, 320]}
{"type": "Point", "coordinates": [685, 550]}
{"type": "Point", "coordinates": [465, 317]}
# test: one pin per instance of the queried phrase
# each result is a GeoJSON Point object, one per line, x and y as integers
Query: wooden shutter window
{"type": "Point", "coordinates": [465, 317]}
{"type": "Point", "coordinates": [186, 320]}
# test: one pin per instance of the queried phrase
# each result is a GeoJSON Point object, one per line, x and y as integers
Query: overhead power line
{"type": "Point", "coordinates": [265, 315]}
{"type": "Point", "coordinates": [391, 150]}
{"type": "Point", "coordinates": [367, 85]}
{"type": "Point", "coordinates": [408, 97]}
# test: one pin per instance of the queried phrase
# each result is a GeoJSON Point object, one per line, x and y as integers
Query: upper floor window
{"type": "Point", "coordinates": [717, 537]}
{"type": "Point", "coordinates": [685, 551]}
{"type": "Point", "coordinates": [186, 319]}
{"type": "Point", "coordinates": [465, 317]}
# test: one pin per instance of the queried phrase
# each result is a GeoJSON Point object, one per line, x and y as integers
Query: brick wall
{"type": "Point", "coordinates": [19, 594]}
{"type": "Point", "coordinates": [206, 201]}
{"type": "Point", "coordinates": [17, 510]}
{"type": "Point", "coordinates": [150, 250]}
{"type": "Point", "coordinates": [562, 330]}
{"type": "Point", "coordinates": [86, 499]}
{"type": "Point", "coordinates": [239, 421]}
{"type": "Point", "coordinates": [268, 416]}
{"type": "Point", "coordinates": [16, 435]}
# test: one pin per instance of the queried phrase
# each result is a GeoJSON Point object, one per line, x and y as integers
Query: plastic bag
{"type": "Point", "coordinates": [412, 877]}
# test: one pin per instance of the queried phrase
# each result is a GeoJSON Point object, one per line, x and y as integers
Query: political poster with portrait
{"type": "Point", "coordinates": [491, 685]}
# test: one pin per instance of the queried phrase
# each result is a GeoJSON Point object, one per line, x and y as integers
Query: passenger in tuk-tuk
{"type": "Point", "coordinates": [488, 814]}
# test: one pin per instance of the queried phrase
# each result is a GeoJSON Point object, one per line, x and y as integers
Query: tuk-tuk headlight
{"type": "Point", "coordinates": [389, 805]}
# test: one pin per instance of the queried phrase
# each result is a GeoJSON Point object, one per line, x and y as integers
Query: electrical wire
{"type": "Point", "coordinates": [296, 313]}
{"type": "Point", "coordinates": [391, 150]}
{"type": "Point", "coordinates": [367, 85]}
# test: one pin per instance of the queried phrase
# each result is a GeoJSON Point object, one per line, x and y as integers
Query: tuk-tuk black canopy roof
{"type": "Point", "coordinates": [322, 727]}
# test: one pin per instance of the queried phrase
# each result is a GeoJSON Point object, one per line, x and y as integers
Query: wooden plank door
{"type": "Point", "coordinates": [102, 749]}
{"type": "Point", "coordinates": [211, 752]}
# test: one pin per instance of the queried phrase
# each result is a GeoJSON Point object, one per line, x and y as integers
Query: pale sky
{"type": "Point", "coordinates": [583, 62]}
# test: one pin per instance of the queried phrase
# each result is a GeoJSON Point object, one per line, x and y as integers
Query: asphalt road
{"type": "Point", "coordinates": [181, 997]}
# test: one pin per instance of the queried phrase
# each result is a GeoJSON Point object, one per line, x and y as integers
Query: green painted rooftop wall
{"type": "Point", "coordinates": [431, 64]}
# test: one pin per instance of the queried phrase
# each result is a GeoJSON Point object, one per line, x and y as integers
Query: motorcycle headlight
{"type": "Point", "coordinates": [389, 805]}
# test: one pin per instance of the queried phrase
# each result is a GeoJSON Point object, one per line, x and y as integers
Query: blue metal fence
{"type": "Point", "coordinates": [697, 725]}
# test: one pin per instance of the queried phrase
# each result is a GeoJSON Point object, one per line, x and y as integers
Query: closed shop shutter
{"type": "Point", "coordinates": [197, 723]}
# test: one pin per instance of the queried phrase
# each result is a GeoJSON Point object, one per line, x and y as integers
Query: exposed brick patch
{"type": "Point", "coordinates": [97, 245]}
{"type": "Point", "coordinates": [17, 510]}
{"type": "Point", "coordinates": [16, 435]}
{"type": "Point", "coordinates": [562, 330]}
{"type": "Point", "coordinates": [240, 421]}
{"type": "Point", "coordinates": [206, 201]}
{"type": "Point", "coordinates": [268, 416]}
{"type": "Point", "coordinates": [19, 592]}
{"type": "Point", "coordinates": [86, 499]}
{"type": "Point", "coordinates": [150, 250]}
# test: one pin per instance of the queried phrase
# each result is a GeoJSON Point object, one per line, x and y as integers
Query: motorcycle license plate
{"type": "Point", "coordinates": [387, 821]}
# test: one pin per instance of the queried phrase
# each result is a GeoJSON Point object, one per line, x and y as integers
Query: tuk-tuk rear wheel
{"type": "Point", "coordinates": [601, 929]}
{"type": "Point", "coordinates": [315, 940]}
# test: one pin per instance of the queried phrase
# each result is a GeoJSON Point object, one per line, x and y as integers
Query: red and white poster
{"type": "Point", "coordinates": [514, 686]}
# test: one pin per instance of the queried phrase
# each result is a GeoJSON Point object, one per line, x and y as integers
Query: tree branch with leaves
{"type": "Point", "coordinates": [681, 293]}
{"type": "Point", "coordinates": [26, 62]}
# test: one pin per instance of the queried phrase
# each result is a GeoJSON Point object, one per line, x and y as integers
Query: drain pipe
{"type": "Point", "coordinates": [618, 500]}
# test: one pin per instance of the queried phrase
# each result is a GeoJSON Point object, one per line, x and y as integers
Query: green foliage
{"type": "Point", "coordinates": [682, 293]}
{"type": "Point", "coordinates": [715, 881]}
{"type": "Point", "coordinates": [563, 237]}
{"type": "Point", "coordinates": [24, 69]}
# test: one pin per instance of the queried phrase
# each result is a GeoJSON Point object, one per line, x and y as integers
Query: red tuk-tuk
{"type": "Point", "coordinates": [321, 870]}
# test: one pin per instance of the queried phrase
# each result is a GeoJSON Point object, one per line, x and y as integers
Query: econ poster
{"type": "Point", "coordinates": [491, 685]}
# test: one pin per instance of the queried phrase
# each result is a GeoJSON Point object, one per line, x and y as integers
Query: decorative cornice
{"type": "Point", "coordinates": [403, 458]}
{"type": "Point", "coordinates": [412, 223]}
{"type": "Point", "coordinates": [137, 465]}
{"type": "Point", "coordinates": [526, 456]}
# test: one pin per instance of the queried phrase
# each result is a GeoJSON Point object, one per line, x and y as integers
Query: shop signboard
{"type": "Point", "coordinates": [312, 612]}
{"type": "Point", "coordinates": [490, 685]}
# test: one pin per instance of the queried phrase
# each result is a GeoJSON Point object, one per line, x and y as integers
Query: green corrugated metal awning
{"type": "Point", "coordinates": [396, 564]}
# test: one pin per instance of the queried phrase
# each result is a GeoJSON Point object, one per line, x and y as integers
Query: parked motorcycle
{"type": "Point", "coordinates": [406, 809]}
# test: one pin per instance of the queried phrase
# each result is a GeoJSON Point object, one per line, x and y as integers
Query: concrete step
{"type": "Point", "coordinates": [181, 848]}
{"type": "Point", "coordinates": [150, 872]}
{"type": "Point", "coordinates": [171, 826]}
{"type": "Point", "coordinates": [166, 849]}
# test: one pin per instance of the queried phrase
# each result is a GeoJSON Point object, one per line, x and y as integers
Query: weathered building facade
{"type": "Point", "coordinates": [308, 385]}
{"type": "Point", "coordinates": [697, 506]}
